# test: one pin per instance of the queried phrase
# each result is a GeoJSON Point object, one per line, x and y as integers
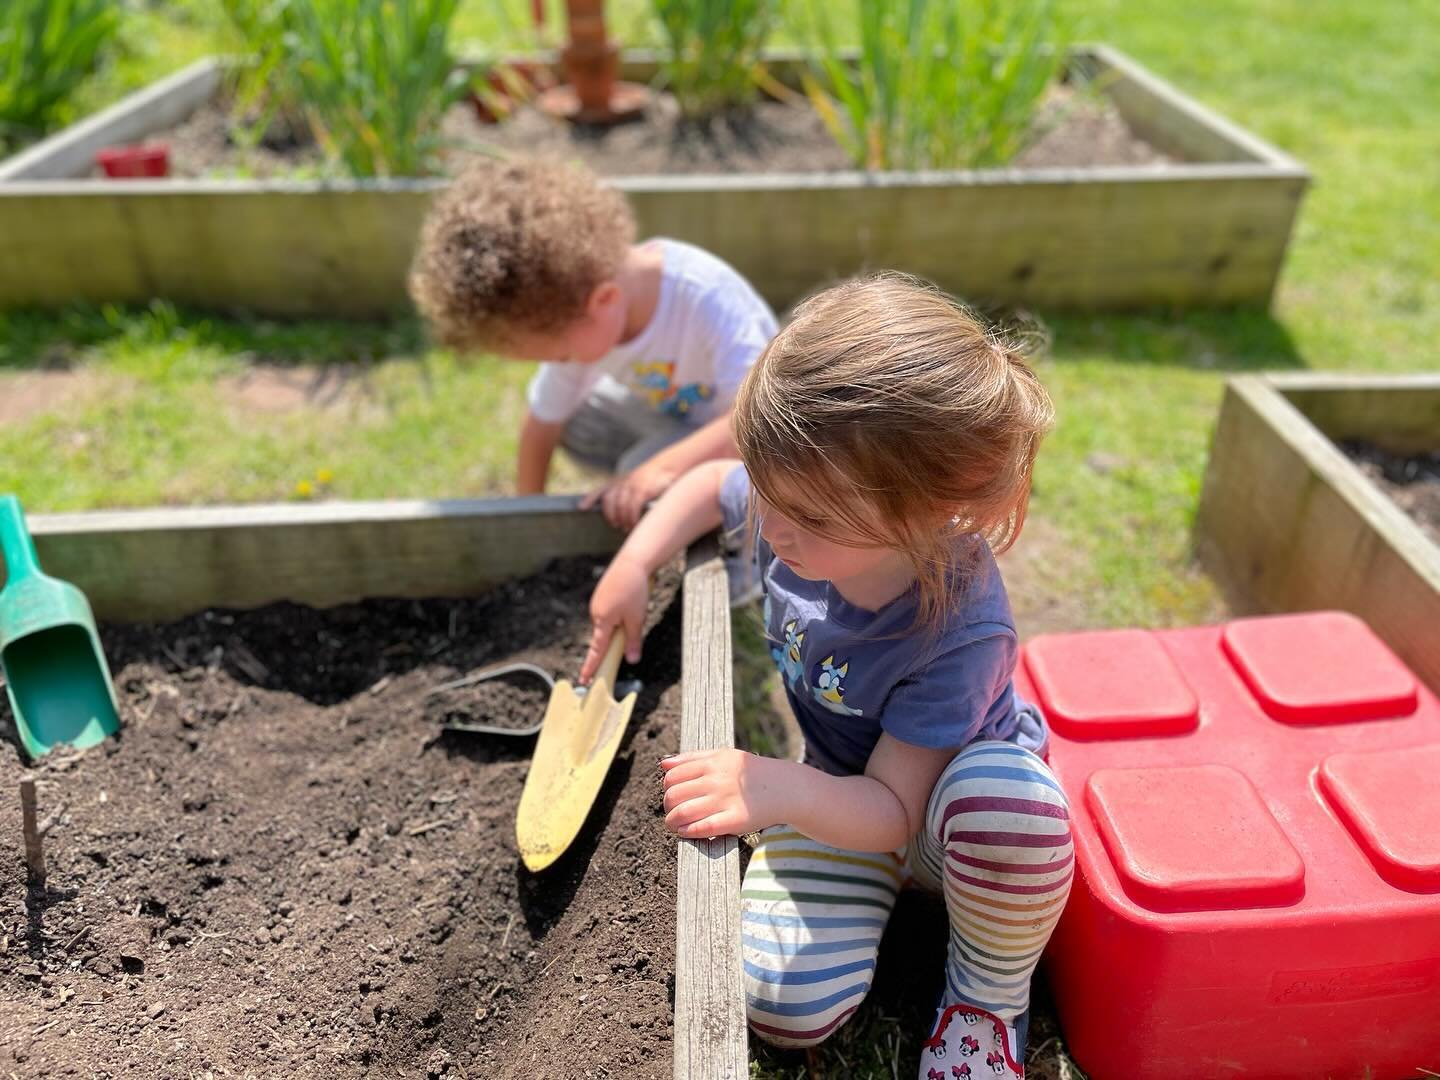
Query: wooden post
{"type": "Point", "coordinates": [34, 852]}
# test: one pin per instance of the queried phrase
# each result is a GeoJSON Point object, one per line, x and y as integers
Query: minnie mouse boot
{"type": "Point", "coordinates": [968, 1043]}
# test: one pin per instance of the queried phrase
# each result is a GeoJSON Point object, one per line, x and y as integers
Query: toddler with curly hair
{"type": "Point", "coordinates": [642, 347]}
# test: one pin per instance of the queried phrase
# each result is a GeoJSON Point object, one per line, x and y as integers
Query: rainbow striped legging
{"type": "Point", "coordinates": [996, 842]}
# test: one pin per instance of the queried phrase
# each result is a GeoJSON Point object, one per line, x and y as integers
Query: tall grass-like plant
{"type": "Point", "coordinates": [714, 50]}
{"type": "Point", "coordinates": [263, 85]}
{"type": "Point", "coordinates": [47, 49]}
{"type": "Point", "coordinates": [373, 78]}
{"type": "Point", "coordinates": [937, 83]}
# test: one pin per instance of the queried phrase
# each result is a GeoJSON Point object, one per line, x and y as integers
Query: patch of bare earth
{"type": "Point", "coordinates": [269, 389]}
{"type": "Point", "coordinates": [1040, 573]}
{"type": "Point", "coordinates": [26, 395]}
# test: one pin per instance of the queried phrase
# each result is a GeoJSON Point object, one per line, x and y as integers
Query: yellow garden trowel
{"type": "Point", "coordinates": [578, 739]}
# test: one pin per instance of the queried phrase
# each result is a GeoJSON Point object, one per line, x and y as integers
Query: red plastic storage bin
{"type": "Point", "coordinates": [1256, 810]}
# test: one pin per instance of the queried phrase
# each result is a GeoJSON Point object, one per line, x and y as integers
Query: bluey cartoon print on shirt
{"type": "Point", "coordinates": [828, 686]}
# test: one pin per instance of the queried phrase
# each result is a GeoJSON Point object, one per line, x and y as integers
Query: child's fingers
{"type": "Point", "coordinates": [690, 770]}
{"type": "Point", "coordinates": [589, 500]}
{"type": "Point", "coordinates": [675, 794]}
{"type": "Point", "coordinates": [632, 505]}
{"type": "Point", "coordinates": [723, 823]}
{"type": "Point", "coordinates": [682, 758]}
{"type": "Point", "coordinates": [599, 640]}
{"type": "Point", "coordinates": [634, 624]}
{"type": "Point", "coordinates": [691, 811]}
{"type": "Point", "coordinates": [610, 503]}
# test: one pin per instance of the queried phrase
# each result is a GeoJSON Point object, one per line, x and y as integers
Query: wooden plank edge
{"type": "Point", "coordinates": [1327, 461]}
{"type": "Point", "coordinates": [1245, 143]}
{"type": "Point", "coordinates": [1292, 430]}
{"type": "Point", "coordinates": [253, 515]}
{"type": "Point", "coordinates": [147, 110]}
{"type": "Point", "coordinates": [698, 184]}
{"type": "Point", "coordinates": [710, 1026]}
{"type": "Point", "coordinates": [162, 564]}
{"type": "Point", "coordinates": [1286, 382]}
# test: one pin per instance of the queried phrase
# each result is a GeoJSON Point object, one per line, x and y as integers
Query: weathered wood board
{"type": "Point", "coordinates": [1288, 523]}
{"type": "Point", "coordinates": [1212, 231]}
{"type": "Point", "coordinates": [710, 1026]}
{"type": "Point", "coordinates": [162, 564]}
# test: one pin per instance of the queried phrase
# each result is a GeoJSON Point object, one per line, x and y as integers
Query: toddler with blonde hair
{"type": "Point", "coordinates": [887, 438]}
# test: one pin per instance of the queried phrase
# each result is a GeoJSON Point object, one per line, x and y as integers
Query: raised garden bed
{"type": "Point", "coordinates": [1289, 522]}
{"type": "Point", "coordinates": [1209, 228]}
{"type": "Point", "coordinates": [285, 863]}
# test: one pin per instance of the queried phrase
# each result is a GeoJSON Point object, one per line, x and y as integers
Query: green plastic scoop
{"type": "Point", "coordinates": [55, 672]}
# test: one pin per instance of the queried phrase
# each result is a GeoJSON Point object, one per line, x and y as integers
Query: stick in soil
{"type": "Point", "coordinates": [34, 852]}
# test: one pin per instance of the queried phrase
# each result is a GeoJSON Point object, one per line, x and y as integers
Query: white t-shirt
{"type": "Point", "coordinates": [709, 327]}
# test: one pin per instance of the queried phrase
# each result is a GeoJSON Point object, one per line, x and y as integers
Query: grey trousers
{"type": "Point", "coordinates": [614, 431]}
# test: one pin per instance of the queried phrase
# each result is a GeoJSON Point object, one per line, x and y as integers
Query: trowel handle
{"type": "Point", "coordinates": [15, 543]}
{"type": "Point", "coordinates": [611, 664]}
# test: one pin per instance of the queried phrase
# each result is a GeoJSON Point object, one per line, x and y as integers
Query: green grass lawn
{"type": "Point", "coordinates": [1343, 87]}
{"type": "Point", "coordinates": [1350, 89]}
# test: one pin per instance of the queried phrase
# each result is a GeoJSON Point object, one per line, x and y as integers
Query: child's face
{"type": "Point", "coordinates": [815, 546]}
{"type": "Point", "coordinates": [584, 341]}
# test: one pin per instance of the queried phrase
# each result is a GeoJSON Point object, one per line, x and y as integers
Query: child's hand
{"type": "Point", "coordinates": [618, 600]}
{"type": "Point", "coordinates": [723, 792]}
{"type": "Point", "coordinates": [623, 499]}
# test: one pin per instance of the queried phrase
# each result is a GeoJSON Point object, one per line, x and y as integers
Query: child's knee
{"type": "Point", "coordinates": [998, 794]}
{"type": "Point", "coordinates": [795, 1032]}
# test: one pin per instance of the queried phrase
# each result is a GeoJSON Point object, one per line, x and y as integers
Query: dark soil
{"type": "Point", "coordinates": [1072, 129]}
{"type": "Point", "coordinates": [1412, 482]}
{"type": "Point", "coordinates": [285, 867]}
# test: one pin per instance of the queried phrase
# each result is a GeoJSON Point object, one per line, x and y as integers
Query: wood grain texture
{"type": "Point", "coordinates": [163, 564]}
{"type": "Point", "coordinates": [1210, 232]}
{"type": "Point", "coordinates": [710, 1028]}
{"type": "Point", "coordinates": [1287, 523]}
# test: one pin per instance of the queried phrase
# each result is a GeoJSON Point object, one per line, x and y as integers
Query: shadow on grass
{"type": "Point", "coordinates": [1239, 339]}
{"type": "Point", "coordinates": [56, 340]}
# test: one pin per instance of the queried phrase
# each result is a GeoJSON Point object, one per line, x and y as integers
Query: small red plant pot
{"type": "Point", "coordinates": [128, 162]}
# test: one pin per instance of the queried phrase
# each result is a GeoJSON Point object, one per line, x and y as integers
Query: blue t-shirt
{"type": "Point", "coordinates": [851, 673]}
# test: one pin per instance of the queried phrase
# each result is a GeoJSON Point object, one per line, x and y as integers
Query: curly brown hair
{"type": "Point", "coordinates": [517, 243]}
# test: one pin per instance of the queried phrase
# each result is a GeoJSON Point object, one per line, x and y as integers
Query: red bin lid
{"type": "Point", "coordinates": [1389, 800]}
{"type": "Point", "coordinates": [1193, 838]}
{"type": "Point", "coordinates": [1322, 667]}
{"type": "Point", "coordinates": [1110, 684]}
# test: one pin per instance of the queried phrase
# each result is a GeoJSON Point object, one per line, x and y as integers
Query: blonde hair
{"type": "Point", "coordinates": [517, 244]}
{"type": "Point", "coordinates": [905, 416]}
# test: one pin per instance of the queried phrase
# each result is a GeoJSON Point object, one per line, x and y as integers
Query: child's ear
{"type": "Point", "coordinates": [605, 295]}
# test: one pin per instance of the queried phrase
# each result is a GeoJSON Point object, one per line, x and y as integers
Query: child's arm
{"type": "Point", "coordinates": [720, 792]}
{"type": "Point", "coordinates": [689, 510]}
{"type": "Point", "coordinates": [623, 499]}
{"type": "Point", "coordinates": [538, 441]}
